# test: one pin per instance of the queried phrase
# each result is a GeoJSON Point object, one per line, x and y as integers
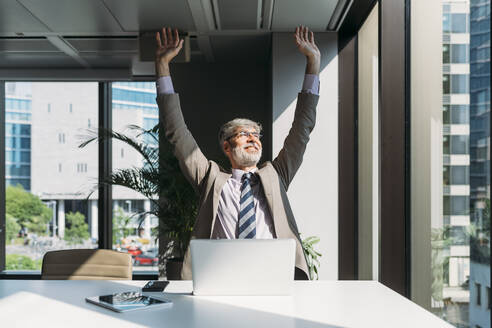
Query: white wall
{"type": "Point", "coordinates": [426, 144]}
{"type": "Point", "coordinates": [313, 193]}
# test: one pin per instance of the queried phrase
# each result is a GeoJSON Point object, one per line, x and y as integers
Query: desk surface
{"type": "Point", "coordinates": [37, 303]}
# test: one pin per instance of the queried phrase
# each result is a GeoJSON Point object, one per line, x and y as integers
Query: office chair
{"type": "Point", "coordinates": [86, 264]}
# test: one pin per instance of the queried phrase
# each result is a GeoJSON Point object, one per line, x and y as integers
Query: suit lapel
{"type": "Point", "coordinates": [266, 182]}
{"type": "Point", "coordinates": [220, 181]}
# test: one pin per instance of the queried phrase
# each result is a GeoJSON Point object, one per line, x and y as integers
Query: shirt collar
{"type": "Point", "coordinates": [237, 174]}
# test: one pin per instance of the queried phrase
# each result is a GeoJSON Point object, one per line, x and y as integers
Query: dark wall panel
{"type": "Point", "coordinates": [392, 117]}
{"type": "Point", "coordinates": [347, 157]}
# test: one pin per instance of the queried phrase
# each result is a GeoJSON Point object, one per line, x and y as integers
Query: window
{"type": "Point", "coordinates": [445, 54]}
{"type": "Point", "coordinates": [456, 205]}
{"type": "Point", "coordinates": [459, 247]}
{"type": "Point", "coordinates": [460, 114]}
{"type": "Point", "coordinates": [456, 175]}
{"type": "Point", "coordinates": [133, 103]}
{"type": "Point", "coordinates": [445, 145]}
{"type": "Point", "coordinates": [459, 175]}
{"type": "Point", "coordinates": [81, 167]}
{"type": "Point", "coordinates": [446, 23]}
{"type": "Point", "coordinates": [460, 53]}
{"type": "Point", "coordinates": [55, 208]}
{"type": "Point", "coordinates": [460, 83]}
{"type": "Point", "coordinates": [459, 144]}
{"type": "Point", "coordinates": [446, 114]}
{"type": "Point", "coordinates": [458, 235]}
{"type": "Point", "coordinates": [445, 84]}
{"type": "Point", "coordinates": [488, 297]}
{"type": "Point", "coordinates": [478, 289]}
{"type": "Point", "coordinates": [459, 23]}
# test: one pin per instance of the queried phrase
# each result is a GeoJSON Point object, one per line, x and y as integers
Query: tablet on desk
{"type": "Point", "coordinates": [128, 301]}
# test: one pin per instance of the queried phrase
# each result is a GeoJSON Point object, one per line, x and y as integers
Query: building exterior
{"type": "Point", "coordinates": [456, 132]}
{"type": "Point", "coordinates": [18, 107]}
{"type": "Point", "coordinates": [45, 124]}
{"type": "Point", "coordinates": [479, 283]}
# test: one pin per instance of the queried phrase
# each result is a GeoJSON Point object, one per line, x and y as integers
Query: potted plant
{"type": "Point", "coordinates": [161, 181]}
{"type": "Point", "coordinates": [312, 256]}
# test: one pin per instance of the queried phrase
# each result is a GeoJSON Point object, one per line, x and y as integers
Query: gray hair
{"type": "Point", "coordinates": [228, 129]}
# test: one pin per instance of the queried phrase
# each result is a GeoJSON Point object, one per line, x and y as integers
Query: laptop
{"type": "Point", "coordinates": [243, 266]}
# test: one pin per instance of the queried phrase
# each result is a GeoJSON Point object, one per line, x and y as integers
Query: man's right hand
{"type": "Point", "coordinates": [167, 48]}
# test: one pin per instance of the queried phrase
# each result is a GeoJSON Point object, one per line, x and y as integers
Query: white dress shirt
{"type": "Point", "coordinates": [226, 223]}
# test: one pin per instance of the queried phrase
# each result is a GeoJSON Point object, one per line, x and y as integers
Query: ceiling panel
{"type": "Point", "coordinates": [104, 44]}
{"type": "Point", "coordinates": [15, 18]}
{"type": "Point", "coordinates": [238, 14]}
{"type": "Point", "coordinates": [97, 60]}
{"type": "Point", "coordinates": [27, 45]}
{"type": "Point", "coordinates": [315, 14]}
{"type": "Point", "coordinates": [37, 60]}
{"type": "Point", "coordinates": [151, 15]}
{"type": "Point", "coordinates": [254, 48]}
{"type": "Point", "coordinates": [87, 16]}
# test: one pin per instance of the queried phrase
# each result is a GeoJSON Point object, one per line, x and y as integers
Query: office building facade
{"type": "Point", "coordinates": [45, 124]}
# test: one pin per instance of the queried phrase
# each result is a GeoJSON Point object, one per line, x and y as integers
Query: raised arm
{"type": "Point", "coordinates": [290, 156]}
{"type": "Point", "coordinates": [192, 161]}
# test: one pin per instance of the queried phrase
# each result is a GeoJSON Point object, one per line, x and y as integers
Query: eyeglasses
{"type": "Point", "coordinates": [246, 134]}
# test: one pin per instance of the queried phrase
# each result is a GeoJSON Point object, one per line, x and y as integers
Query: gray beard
{"type": "Point", "coordinates": [243, 158]}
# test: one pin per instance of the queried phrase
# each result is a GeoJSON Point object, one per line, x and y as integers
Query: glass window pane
{"type": "Point", "coordinates": [459, 175]}
{"type": "Point", "coordinates": [134, 103]}
{"type": "Point", "coordinates": [456, 205]}
{"type": "Point", "coordinates": [445, 145]}
{"type": "Point", "coordinates": [446, 23]}
{"type": "Point", "coordinates": [445, 54]}
{"type": "Point", "coordinates": [446, 172]}
{"type": "Point", "coordinates": [459, 23]}
{"type": "Point", "coordinates": [47, 208]}
{"type": "Point", "coordinates": [446, 114]}
{"type": "Point", "coordinates": [445, 84]}
{"type": "Point", "coordinates": [459, 144]}
{"type": "Point", "coordinates": [460, 83]}
{"type": "Point", "coordinates": [461, 233]}
{"type": "Point", "coordinates": [460, 54]}
{"type": "Point", "coordinates": [460, 114]}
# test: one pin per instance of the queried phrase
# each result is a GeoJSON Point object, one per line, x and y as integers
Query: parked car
{"type": "Point", "coordinates": [147, 258]}
{"type": "Point", "coordinates": [134, 250]}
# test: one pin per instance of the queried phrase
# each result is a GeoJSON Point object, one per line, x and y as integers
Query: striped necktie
{"type": "Point", "coordinates": [247, 217]}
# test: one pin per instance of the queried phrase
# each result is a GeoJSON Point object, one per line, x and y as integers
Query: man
{"type": "Point", "coordinates": [252, 201]}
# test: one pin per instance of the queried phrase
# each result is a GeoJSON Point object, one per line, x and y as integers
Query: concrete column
{"type": "Point", "coordinates": [94, 219]}
{"type": "Point", "coordinates": [313, 194]}
{"type": "Point", "coordinates": [426, 145]}
{"type": "Point", "coordinates": [147, 219]}
{"type": "Point", "coordinates": [61, 218]}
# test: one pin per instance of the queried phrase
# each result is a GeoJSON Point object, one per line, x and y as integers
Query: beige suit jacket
{"type": "Point", "coordinates": [208, 178]}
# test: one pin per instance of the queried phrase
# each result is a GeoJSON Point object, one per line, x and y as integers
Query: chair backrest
{"type": "Point", "coordinates": [86, 264]}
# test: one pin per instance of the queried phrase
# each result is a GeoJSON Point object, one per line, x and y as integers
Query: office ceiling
{"type": "Point", "coordinates": [105, 33]}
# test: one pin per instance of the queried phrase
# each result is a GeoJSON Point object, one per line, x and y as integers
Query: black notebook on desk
{"type": "Point", "coordinates": [128, 301]}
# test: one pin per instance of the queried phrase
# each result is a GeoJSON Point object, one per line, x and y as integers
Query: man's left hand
{"type": "Point", "coordinates": [304, 39]}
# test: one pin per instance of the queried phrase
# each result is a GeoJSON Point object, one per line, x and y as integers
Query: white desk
{"type": "Point", "coordinates": [36, 303]}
